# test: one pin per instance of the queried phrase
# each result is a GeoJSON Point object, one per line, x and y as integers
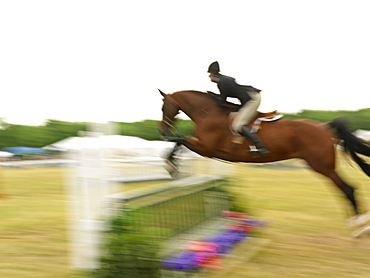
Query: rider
{"type": "Point", "coordinates": [250, 100]}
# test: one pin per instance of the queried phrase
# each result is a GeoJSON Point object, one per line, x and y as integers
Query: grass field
{"type": "Point", "coordinates": [308, 236]}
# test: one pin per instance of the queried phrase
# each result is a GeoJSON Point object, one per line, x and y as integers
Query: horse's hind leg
{"type": "Point", "coordinates": [326, 168]}
{"type": "Point", "coordinates": [359, 222]}
{"type": "Point", "coordinates": [348, 190]}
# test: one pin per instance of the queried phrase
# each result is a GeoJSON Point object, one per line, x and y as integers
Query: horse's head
{"type": "Point", "coordinates": [169, 109]}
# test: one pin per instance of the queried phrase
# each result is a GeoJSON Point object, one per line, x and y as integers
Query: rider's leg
{"type": "Point", "coordinates": [244, 116]}
{"type": "Point", "coordinates": [247, 112]}
{"type": "Point", "coordinates": [261, 149]}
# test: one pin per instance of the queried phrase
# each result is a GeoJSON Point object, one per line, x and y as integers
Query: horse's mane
{"type": "Point", "coordinates": [191, 91]}
{"type": "Point", "coordinates": [216, 98]}
{"type": "Point", "coordinates": [206, 94]}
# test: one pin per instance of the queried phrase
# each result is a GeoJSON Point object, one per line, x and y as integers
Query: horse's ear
{"type": "Point", "coordinates": [163, 94]}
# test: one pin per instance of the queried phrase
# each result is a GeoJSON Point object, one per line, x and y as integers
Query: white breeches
{"type": "Point", "coordinates": [247, 112]}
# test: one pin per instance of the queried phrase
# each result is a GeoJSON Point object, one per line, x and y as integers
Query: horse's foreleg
{"type": "Point", "coordinates": [193, 144]}
{"type": "Point", "coordinates": [176, 149]}
{"type": "Point", "coordinates": [171, 162]}
{"type": "Point", "coordinates": [198, 146]}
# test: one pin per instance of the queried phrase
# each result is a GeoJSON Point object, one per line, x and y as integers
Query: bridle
{"type": "Point", "coordinates": [169, 122]}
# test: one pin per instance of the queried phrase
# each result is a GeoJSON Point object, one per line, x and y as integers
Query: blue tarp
{"type": "Point", "coordinates": [23, 150]}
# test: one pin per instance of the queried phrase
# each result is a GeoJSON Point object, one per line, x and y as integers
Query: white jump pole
{"type": "Point", "coordinates": [88, 187]}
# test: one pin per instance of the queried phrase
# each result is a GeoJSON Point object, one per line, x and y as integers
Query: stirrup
{"type": "Point", "coordinates": [255, 152]}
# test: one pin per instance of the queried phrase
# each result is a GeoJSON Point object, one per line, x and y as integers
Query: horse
{"type": "Point", "coordinates": [315, 142]}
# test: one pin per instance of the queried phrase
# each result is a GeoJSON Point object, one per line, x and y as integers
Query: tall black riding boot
{"type": "Point", "coordinates": [260, 150]}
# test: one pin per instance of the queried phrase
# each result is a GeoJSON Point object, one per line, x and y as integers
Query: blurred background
{"type": "Point", "coordinates": [80, 111]}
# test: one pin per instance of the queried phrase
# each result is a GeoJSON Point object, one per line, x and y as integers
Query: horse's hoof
{"type": "Point", "coordinates": [171, 165]}
{"type": "Point", "coordinates": [171, 168]}
{"type": "Point", "coordinates": [361, 232]}
{"type": "Point", "coordinates": [359, 220]}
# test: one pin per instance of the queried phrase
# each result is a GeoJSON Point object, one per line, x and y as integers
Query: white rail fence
{"type": "Point", "coordinates": [96, 174]}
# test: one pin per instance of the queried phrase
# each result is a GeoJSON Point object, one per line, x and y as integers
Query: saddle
{"type": "Point", "coordinates": [255, 123]}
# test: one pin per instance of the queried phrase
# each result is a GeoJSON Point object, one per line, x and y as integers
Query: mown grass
{"type": "Point", "coordinates": [308, 236]}
{"type": "Point", "coordinates": [33, 228]}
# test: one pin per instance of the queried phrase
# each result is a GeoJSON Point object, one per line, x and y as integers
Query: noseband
{"type": "Point", "coordinates": [167, 120]}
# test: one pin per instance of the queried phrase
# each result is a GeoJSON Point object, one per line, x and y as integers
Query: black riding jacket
{"type": "Point", "coordinates": [229, 88]}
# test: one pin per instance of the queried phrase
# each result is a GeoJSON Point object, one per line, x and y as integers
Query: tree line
{"type": "Point", "coordinates": [12, 135]}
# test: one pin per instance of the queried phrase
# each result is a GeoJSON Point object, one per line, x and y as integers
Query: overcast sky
{"type": "Point", "coordinates": [104, 60]}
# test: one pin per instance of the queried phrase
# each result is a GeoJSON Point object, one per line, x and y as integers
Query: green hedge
{"type": "Point", "coordinates": [54, 130]}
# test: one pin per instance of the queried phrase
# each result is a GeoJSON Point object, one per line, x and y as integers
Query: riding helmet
{"type": "Point", "coordinates": [214, 68]}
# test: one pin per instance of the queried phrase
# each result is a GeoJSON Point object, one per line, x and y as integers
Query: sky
{"type": "Point", "coordinates": [99, 61]}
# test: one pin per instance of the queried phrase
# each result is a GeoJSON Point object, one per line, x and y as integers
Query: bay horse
{"type": "Point", "coordinates": [305, 139]}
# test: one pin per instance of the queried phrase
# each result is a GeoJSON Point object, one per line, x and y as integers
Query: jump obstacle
{"type": "Point", "coordinates": [94, 193]}
{"type": "Point", "coordinates": [178, 208]}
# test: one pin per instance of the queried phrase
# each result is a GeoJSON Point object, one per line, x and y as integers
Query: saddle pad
{"type": "Point", "coordinates": [257, 122]}
{"type": "Point", "coordinates": [255, 126]}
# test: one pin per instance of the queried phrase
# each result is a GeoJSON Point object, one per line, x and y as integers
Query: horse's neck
{"type": "Point", "coordinates": [195, 106]}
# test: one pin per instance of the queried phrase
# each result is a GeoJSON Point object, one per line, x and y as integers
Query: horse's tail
{"type": "Point", "coordinates": [352, 144]}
